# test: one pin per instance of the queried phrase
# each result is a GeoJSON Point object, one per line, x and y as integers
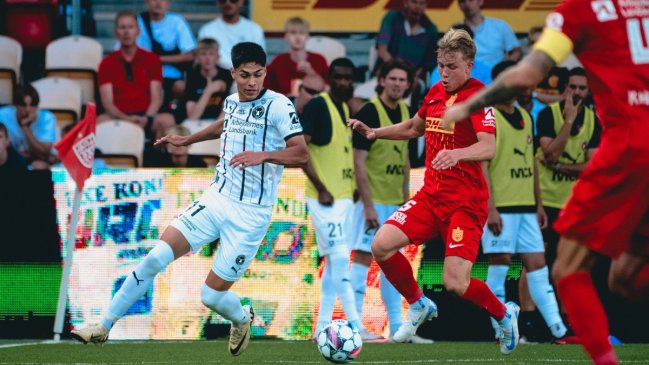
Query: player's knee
{"type": "Point", "coordinates": [454, 285]}
{"type": "Point", "coordinates": [157, 259]}
{"type": "Point", "coordinates": [621, 285]}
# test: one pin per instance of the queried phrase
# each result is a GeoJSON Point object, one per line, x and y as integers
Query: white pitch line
{"type": "Point", "coordinates": [19, 344]}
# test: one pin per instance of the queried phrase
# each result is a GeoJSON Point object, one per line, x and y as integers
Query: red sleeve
{"type": "Point", "coordinates": [105, 71]}
{"type": "Point", "coordinates": [320, 66]}
{"type": "Point", "coordinates": [570, 16]}
{"type": "Point", "coordinates": [484, 120]}
{"type": "Point", "coordinates": [422, 110]}
{"type": "Point", "coordinates": [156, 67]}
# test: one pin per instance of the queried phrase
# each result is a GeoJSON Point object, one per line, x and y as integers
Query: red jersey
{"type": "Point", "coordinates": [131, 81]}
{"type": "Point", "coordinates": [465, 180]}
{"type": "Point", "coordinates": [283, 76]}
{"type": "Point", "coordinates": [611, 39]}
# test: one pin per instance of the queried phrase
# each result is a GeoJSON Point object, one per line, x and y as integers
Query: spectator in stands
{"type": "Point", "coordinates": [569, 135]}
{"type": "Point", "coordinates": [231, 28]}
{"type": "Point", "coordinates": [32, 131]}
{"type": "Point", "coordinates": [494, 39]}
{"type": "Point", "coordinates": [532, 105]}
{"type": "Point", "coordinates": [286, 71]}
{"type": "Point", "coordinates": [207, 84]}
{"type": "Point", "coordinates": [311, 86]}
{"type": "Point", "coordinates": [10, 164]}
{"type": "Point", "coordinates": [130, 81]}
{"type": "Point", "coordinates": [168, 35]}
{"type": "Point", "coordinates": [174, 156]}
{"type": "Point", "coordinates": [408, 34]}
{"type": "Point", "coordinates": [480, 70]}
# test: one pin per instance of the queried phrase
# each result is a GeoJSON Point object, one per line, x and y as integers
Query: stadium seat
{"type": "Point", "coordinates": [11, 55]}
{"type": "Point", "coordinates": [62, 97]}
{"type": "Point", "coordinates": [77, 58]}
{"type": "Point", "coordinates": [121, 143]}
{"type": "Point", "coordinates": [329, 47]}
{"type": "Point", "coordinates": [208, 150]}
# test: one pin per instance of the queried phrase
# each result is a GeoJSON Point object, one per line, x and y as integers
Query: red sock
{"type": "Point", "coordinates": [640, 283]}
{"type": "Point", "coordinates": [398, 271]}
{"type": "Point", "coordinates": [479, 294]}
{"type": "Point", "coordinates": [586, 316]}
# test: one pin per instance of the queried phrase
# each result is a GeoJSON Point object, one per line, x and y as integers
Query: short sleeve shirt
{"type": "Point", "coordinates": [196, 86]}
{"type": "Point", "coordinates": [44, 128]}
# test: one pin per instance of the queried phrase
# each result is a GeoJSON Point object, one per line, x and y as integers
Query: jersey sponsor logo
{"type": "Point", "coordinates": [394, 170]}
{"type": "Point", "coordinates": [489, 117]}
{"type": "Point", "coordinates": [399, 217]}
{"type": "Point", "coordinates": [604, 10]}
{"type": "Point", "coordinates": [348, 174]}
{"type": "Point", "coordinates": [434, 125]}
{"type": "Point", "coordinates": [457, 234]}
{"type": "Point", "coordinates": [520, 173]}
{"type": "Point", "coordinates": [558, 176]}
{"type": "Point", "coordinates": [258, 111]}
{"type": "Point", "coordinates": [84, 149]}
{"type": "Point", "coordinates": [638, 97]}
{"type": "Point", "coordinates": [554, 21]}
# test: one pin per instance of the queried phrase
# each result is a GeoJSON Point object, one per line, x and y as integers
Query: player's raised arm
{"type": "Point", "coordinates": [411, 128]}
{"type": "Point", "coordinates": [212, 131]}
{"type": "Point", "coordinates": [512, 82]}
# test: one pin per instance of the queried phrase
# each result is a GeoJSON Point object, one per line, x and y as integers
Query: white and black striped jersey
{"type": "Point", "coordinates": [263, 124]}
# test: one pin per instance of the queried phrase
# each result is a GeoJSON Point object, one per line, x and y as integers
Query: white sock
{"type": "Point", "coordinates": [496, 276]}
{"type": "Point", "coordinates": [327, 297]}
{"type": "Point", "coordinates": [358, 275]}
{"type": "Point", "coordinates": [543, 295]}
{"type": "Point", "coordinates": [138, 282]}
{"type": "Point", "coordinates": [392, 300]}
{"type": "Point", "coordinates": [225, 303]}
{"type": "Point", "coordinates": [340, 273]}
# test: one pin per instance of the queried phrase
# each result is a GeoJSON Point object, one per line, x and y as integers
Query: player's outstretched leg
{"type": "Point", "coordinates": [135, 285]}
{"type": "Point", "coordinates": [509, 335]}
{"type": "Point", "coordinates": [228, 305]}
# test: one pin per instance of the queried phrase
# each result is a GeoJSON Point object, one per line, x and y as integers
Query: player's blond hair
{"type": "Point", "coordinates": [457, 40]}
{"type": "Point", "coordinates": [179, 130]}
{"type": "Point", "coordinates": [297, 22]}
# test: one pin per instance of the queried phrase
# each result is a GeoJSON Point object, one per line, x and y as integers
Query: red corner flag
{"type": "Point", "coordinates": [77, 148]}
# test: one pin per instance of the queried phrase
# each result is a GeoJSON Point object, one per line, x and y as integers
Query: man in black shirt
{"type": "Point", "coordinates": [207, 84]}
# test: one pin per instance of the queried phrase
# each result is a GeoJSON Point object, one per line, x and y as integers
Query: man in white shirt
{"type": "Point", "coordinates": [260, 134]}
{"type": "Point", "coordinates": [231, 28]}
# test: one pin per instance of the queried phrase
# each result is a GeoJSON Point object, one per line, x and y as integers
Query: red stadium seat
{"type": "Point", "coordinates": [31, 23]}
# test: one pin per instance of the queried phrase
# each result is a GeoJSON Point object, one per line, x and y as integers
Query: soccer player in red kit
{"type": "Point", "coordinates": [453, 202]}
{"type": "Point", "coordinates": [608, 212]}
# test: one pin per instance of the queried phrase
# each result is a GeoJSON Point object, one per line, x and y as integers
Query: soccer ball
{"type": "Point", "coordinates": [339, 343]}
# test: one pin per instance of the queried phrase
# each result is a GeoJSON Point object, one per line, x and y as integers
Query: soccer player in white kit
{"type": "Point", "coordinates": [260, 133]}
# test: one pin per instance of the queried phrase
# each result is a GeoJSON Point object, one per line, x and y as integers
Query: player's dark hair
{"type": "Point", "coordinates": [577, 71]}
{"type": "Point", "coordinates": [341, 62]}
{"type": "Point", "coordinates": [386, 67]}
{"type": "Point", "coordinates": [499, 68]}
{"type": "Point", "coordinates": [248, 52]}
{"type": "Point", "coordinates": [20, 91]}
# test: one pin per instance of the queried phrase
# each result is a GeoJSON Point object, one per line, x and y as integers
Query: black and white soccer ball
{"type": "Point", "coordinates": [339, 343]}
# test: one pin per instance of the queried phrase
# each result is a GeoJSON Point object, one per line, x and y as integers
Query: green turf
{"type": "Point", "coordinates": [285, 352]}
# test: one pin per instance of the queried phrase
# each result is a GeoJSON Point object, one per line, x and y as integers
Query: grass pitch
{"type": "Point", "coordinates": [262, 351]}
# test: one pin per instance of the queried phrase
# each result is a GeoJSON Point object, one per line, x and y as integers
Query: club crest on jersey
{"type": "Point", "coordinates": [554, 21]}
{"type": "Point", "coordinates": [604, 10]}
{"type": "Point", "coordinates": [457, 234]}
{"type": "Point", "coordinates": [258, 111]}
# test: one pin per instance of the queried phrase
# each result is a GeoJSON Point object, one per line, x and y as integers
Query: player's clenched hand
{"type": "Point", "coordinates": [361, 128]}
{"type": "Point", "coordinates": [494, 222]}
{"type": "Point", "coordinates": [371, 217]}
{"type": "Point", "coordinates": [445, 159]}
{"type": "Point", "coordinates": [172, 139]}
{"type": "Point", "coordinates": [452, 115]}
{"type": "Point", "coordinates": [325, 198]}
{"type": "Point", "coordinates": [247, 159]}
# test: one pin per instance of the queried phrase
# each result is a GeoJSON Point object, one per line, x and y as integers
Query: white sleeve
{"type": "Point", "coordinates": [285, 118]}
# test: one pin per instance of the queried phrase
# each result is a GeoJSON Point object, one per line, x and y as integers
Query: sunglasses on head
{"type": "Point", "coordinates": [309, 90]}
{"type": "Point", "coordinates": [222, 2]}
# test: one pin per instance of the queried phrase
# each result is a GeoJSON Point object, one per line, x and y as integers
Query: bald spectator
{"type": "Point", "coordinates": [311, 86]}
{"type": "Point", "coordinates": [130, 81]}
{"type": "Point", "coordinates": [286, 71]}
{"type": "Point", "coordinates": [495, 40]}
{"type": "Point", "coordinates": [230, 28]}
{"type": "Point", "coordinates": [32, 131]}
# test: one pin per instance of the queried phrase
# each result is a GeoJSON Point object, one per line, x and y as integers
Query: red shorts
{"type": "Point", "coordinates": [609, 208]}
{"type": "Point", "coordinates": [458, 223]}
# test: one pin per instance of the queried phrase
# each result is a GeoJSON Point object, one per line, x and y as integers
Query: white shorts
{"type": "Point", "coordinates": [520, 234]}
{"type": "Point", "coordinates": [363, 235]}
{"type": "Point", "coordinates": [333, 225]}
{"type": "Point", "coordinates": [241, 228]}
